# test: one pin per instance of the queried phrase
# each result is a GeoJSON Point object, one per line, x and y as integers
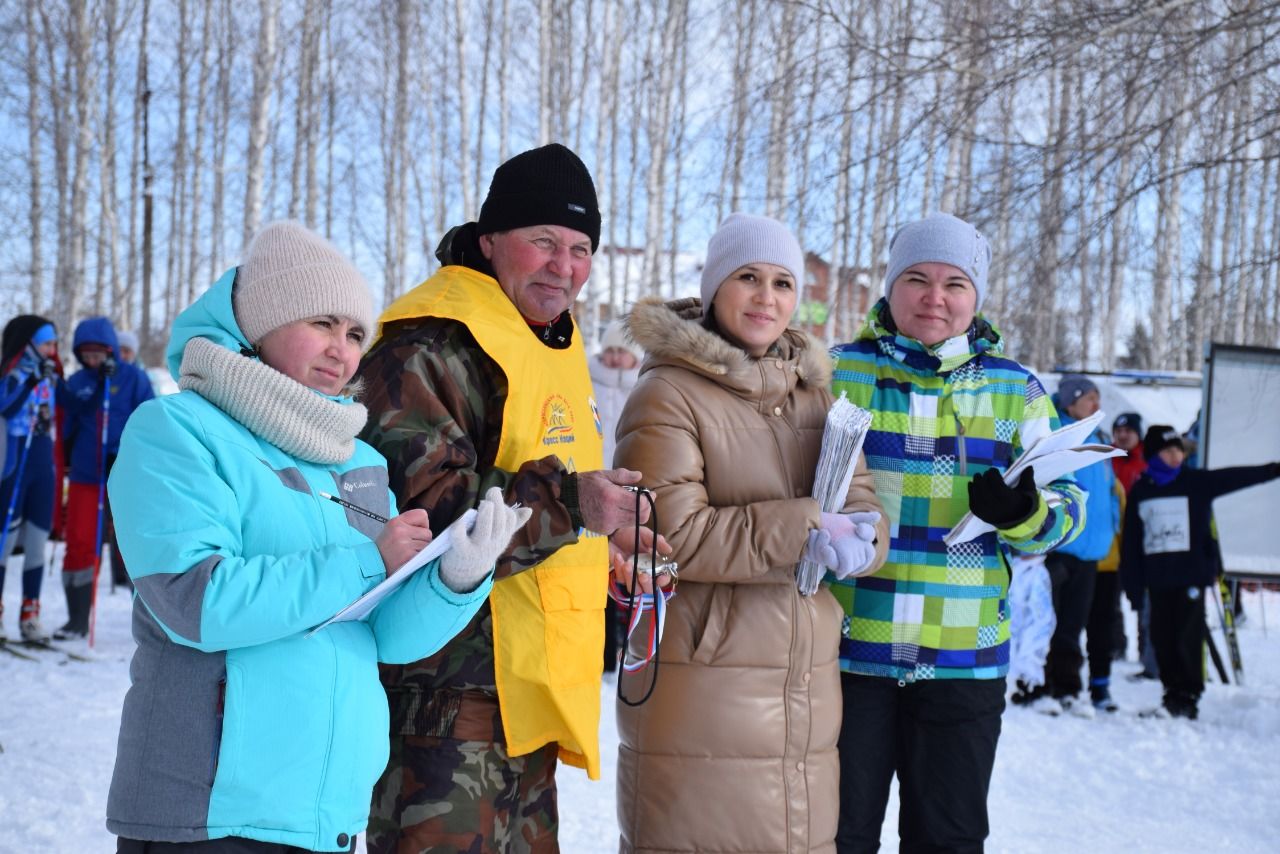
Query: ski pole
{"type": "Point", "coordinates": [17, 485]}
{"type": "Point", "coordinates": [1215, 655]}
{"type": "Point", "coordinates": [102, 493]}
{"type": "Point", "coordinates": [17, 477]}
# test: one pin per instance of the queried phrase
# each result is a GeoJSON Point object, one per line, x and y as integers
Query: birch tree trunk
{"type": "Point", "coordinates": [659, 142]}
{"type": "Point", "coordinates": [144, 99]}
{"type": "Point", "coordinates": [481, 111]}
{"type": "Point", "coordinates": [58, 92]}
{"type": "Point", "coordinates": [678, 146]}
{"type": "Point", "coordinates": [227, 39]}
{"type": "Point", "coordinates": [740, 105]}
{"type": "Point", "coordinates": [36, 216]}
{"type": "Point", "coordinates": [781, 110]}
{"type": "Point", "coordinates": [330, 122]}
{"type": "Point", "coordinates": [997, 284]}
{"type": "Point", "coordinates": [840, 266]}
{"type": "Point", "coordinates": [80, 31]}
{"type": "Point", "coordinates": [397, 155]}
{"type": "Point", "coordinates": [544, 72]}
{"type": "Point", "coordinates": [304, 109]}
{"type": "Point", "coordinates": [1258, 271]}
{"type": "Point", "coordinates": [504, 105]}
{"type": "Point", "coordinates": [464, 102]}
{"type": "Point", "coordinates": [176, 280]}
{"type": "Point", "coordinates": [606, 142]}
{"type": "Point", "coordinates": [1116, 288]}
{"type": "Point", "coordinates": [102, 119]}
{"type": "Point", "coordinates": [1203, 295]}
{"type": "Point", "coordinates": [195, 279]}
{"type": "Point", "coordinates": [885, 198]}
{"type": "Point", "coordinates": [264, 63]}
{"type": "Point", "coordinates": [1045, 284]}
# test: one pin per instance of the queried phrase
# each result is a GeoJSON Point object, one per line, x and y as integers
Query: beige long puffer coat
{"type": "Point", "coordinates": [736, 748]}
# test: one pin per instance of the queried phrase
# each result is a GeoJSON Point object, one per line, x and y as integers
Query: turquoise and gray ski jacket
{"type": "Point", "coordinates": [238, 722]}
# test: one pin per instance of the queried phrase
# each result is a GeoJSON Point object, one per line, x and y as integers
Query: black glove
{"type": "Point", "coordinates": [43, 423]}
{"type": "Point", "coordinates": [996, 503]}
{"type": "Point", "coordinates": [48, 369]}
{"type": "Point", "coordinates": [108, 367]}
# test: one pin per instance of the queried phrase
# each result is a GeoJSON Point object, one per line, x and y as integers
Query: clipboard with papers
{"type": "Point", "coordinates": [361, 608]}
{"type": "Point", "coordinates": [1063, 451]}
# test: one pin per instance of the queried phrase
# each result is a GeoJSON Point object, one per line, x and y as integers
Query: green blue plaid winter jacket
{"type": "Point", "coordinates": [940, 416]}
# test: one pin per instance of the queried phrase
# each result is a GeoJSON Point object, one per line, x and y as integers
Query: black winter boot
{"type": "Point", "coordinates": [79, 601]}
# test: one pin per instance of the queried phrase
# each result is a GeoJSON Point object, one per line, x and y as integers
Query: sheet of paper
{"type": "Point", "coordinates": [1052, 456]}
{"type": "Point", "coordinates": [366, 603]}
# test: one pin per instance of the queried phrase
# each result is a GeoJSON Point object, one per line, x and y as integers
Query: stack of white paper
{"type": "Point", "coordinates": [1054, 455]}
{"type": "Point", "coordinates": [841, 444]}
{"type": "Point", "coordinates": [361, 607]}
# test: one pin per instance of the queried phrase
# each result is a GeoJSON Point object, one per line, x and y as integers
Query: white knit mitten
{"type": "Point", "coordinates": [472, 553]}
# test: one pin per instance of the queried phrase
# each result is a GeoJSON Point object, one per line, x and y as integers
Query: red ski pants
{"type": "Point", "coordinates": [82, 525]}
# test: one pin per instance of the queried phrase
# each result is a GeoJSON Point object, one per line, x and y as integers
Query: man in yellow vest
{"type": "Point", "coordinates": [479, 379]}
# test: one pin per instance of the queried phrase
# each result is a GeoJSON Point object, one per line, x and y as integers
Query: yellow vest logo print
{"type": "Point", "coordinates": [557, 421]}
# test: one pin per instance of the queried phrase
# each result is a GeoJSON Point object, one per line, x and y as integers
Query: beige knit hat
{"type": "Point", "coordinates": [291, 273]}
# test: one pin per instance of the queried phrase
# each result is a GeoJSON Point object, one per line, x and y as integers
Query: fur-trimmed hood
{"type": "Point", "coordinates": [672, 333]}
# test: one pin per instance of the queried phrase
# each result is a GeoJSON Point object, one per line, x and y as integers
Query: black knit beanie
{"type": "Point", "coordinates": [546, 186]}
{"type": "Point", "coordinates": [1159, 437]}
{"type": "Point", "coordinates": [1132, 420]}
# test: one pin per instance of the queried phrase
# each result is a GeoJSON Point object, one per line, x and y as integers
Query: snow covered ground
{"type": "Point", "coordinates": [1115, 784]}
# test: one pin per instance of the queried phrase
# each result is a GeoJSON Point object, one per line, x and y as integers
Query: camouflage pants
{"type": "Point", "coordinates": [464, 794]}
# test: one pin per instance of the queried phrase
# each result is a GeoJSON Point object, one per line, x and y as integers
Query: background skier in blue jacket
{"type": "Point", "coordinates": [89, 461]}
{"type": "Point", "coordinates": [26, 491]}
{"type": "Point", "coordinates": [1073, 568]}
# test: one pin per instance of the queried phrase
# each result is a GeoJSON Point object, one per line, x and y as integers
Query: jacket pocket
{"type": "Point", "coordinates": [219, 709]}
{"type": "Point", "coordinates": [227, 741]}
{"type": "Point", "coordinates": [573, 601]}
{"type": "Point", "coordinates": [715, 625]}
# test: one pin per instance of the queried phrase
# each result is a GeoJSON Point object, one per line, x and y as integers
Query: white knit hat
{"type": "Point", "coordinates": [615, 335]}
{"type": "Point", "coordinates": [746, 239]}
{"type": "Point", "coordinates": [291, 273]}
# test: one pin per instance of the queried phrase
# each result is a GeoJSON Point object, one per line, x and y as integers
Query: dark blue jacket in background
{"type": "Point", "coordinates": [82, 404]}
{"type": "Point", "coordinates": [1166, 541]}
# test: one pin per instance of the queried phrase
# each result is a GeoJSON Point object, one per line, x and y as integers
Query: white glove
{"type": "Point", "coordinates": [846, 543]}
{"type": "Point", "coordinates": [472, 553]}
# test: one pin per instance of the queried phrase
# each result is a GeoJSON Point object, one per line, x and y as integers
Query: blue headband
{"type": "Point", "coordinates": [44, 334]}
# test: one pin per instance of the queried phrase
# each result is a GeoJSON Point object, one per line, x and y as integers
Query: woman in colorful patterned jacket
{"type": "Point", "coordinates": [926, 646]}
{"type": "Point", "coordinates": [244, 730]}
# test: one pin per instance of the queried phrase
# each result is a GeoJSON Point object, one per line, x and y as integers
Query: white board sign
{"type": "Point", "coordinates": [1241, 427]}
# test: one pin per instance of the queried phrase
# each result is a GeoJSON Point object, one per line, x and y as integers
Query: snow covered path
{"type": "Point", "coordinates": [1114, 784]}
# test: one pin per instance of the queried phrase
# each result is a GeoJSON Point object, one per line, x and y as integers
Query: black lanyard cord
{"type": "Point", "coordinates": [659, 602]}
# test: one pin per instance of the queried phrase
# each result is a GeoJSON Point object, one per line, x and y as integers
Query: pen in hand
{"type": "Point", "coordinates": [355, 508]}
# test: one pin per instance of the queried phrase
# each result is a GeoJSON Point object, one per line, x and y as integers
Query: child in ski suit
{"type": "Point", "coordinates": [1168, 552]}
{"type": "Point", "coordinates": [89, 461]}
{"type": "Point", "coordinates": [1031, 624]}
{"type": "Point", "coordinates": [26, 492]}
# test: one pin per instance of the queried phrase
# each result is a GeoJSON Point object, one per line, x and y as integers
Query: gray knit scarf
{"type": "Point", "coordinates": [297, 420]}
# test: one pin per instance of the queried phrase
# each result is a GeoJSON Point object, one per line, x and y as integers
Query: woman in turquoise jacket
{"type": "Point", "coordinates": [244, 729]}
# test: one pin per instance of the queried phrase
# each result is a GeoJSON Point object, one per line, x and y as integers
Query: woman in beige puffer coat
{"type": "Point", "coordinates": [736, 748]}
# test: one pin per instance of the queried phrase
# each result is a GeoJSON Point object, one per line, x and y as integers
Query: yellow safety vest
{"type": "Point", "coordinates": [548, 621]}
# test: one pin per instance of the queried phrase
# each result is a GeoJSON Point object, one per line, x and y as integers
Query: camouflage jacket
{"type": "Point", "coordinates": [435, 403]}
